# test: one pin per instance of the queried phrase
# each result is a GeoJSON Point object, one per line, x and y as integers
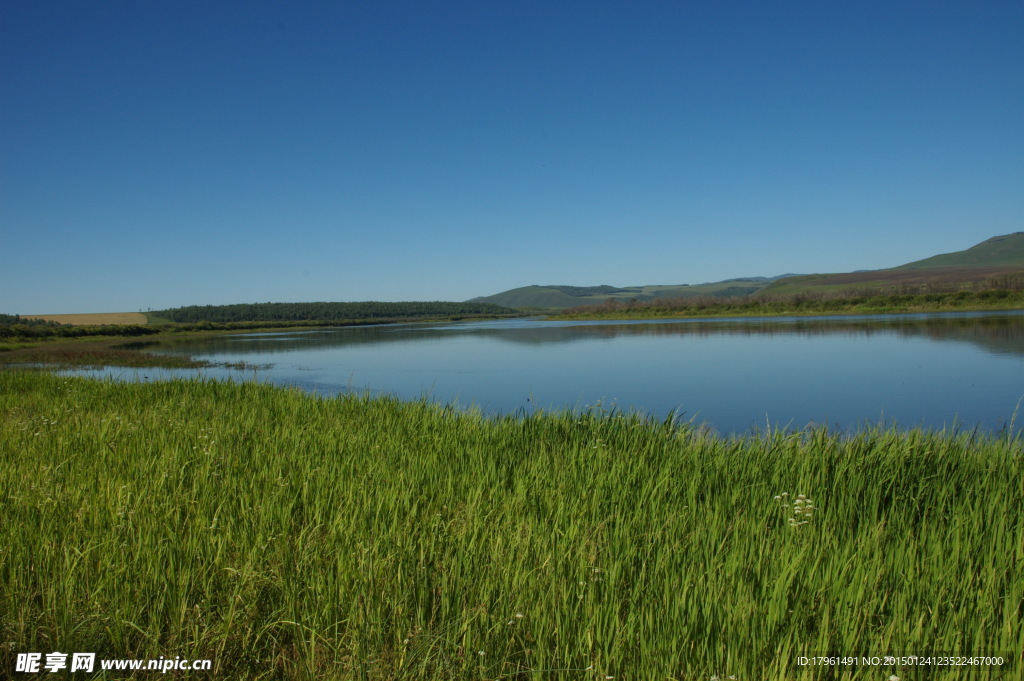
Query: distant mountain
{"type": "Point", "coordinates": [1000, 256]}
{"type": "Point", "coordinates": [562, 297]}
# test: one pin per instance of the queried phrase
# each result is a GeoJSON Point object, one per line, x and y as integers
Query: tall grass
{"type": "Point", "coordinates": [287, 536]}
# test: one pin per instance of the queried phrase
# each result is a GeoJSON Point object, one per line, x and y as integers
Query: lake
{"type": "Point", "coordinates": [932, 370]}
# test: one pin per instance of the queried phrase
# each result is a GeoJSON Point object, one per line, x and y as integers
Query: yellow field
{"type": "Point", "coordinates": [89, 319]}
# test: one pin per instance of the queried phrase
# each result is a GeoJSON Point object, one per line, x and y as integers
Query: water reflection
{"type": "Point", "coordinates": [733, 374]}
{"type": "Point", "coordinates": [996, 333]}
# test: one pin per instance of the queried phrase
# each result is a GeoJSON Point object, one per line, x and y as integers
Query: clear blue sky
{"type": "Point", "coordinates": [157, 154]}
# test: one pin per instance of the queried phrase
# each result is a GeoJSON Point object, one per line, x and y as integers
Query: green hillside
{"type": "Point", "coordinates": [1006, 250]}
{"type": "Point", "coordinates": [995, 263]}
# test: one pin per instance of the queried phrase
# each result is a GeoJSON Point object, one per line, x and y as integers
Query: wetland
{"type": "Point", "coordinates": [934, 370]}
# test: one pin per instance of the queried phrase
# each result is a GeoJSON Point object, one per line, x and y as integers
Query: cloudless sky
{"type": "Point", "coordinates": [158, 154]}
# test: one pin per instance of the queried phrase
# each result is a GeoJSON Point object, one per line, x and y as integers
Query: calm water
{"type": "Point", "coordinates": [734, 374]}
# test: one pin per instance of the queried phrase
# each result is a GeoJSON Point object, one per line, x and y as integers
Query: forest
{"type": "Point", "coordinates": [325, 312]}
{"type": "Point", "coordinates": [13, 326]}
{"type": "Point", "coordinates": [13, 320]}
{"type": "Point", "coordinates": [252, 316]}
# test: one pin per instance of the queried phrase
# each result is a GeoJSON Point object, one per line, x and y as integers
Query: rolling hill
{"type": "Point", "coordinates": [992, 262]}
{"type": "Point", "coordinates": [999, 251]}
{"type": "Point", "coordinates": [562, 297]}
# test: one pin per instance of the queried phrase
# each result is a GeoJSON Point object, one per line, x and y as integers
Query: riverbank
{"type": "Point", "coordinates": [287, 536]}
{"type": "Point", "coordinates": [98, 352]}
{"type": "Point", "coordinates": [97, 346]}
{"type": "Point", "coordinates": [802, 305]}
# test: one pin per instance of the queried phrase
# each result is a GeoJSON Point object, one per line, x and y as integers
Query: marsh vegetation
{"type": "Point", "coordinates": [289, 536]}
{"type": "Point", "coordinates": [844, 301]}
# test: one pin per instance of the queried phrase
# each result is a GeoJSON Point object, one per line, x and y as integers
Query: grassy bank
{"type": "Point", "coordinates": [840, 302]}
{"type": "Point", "coordinates": [99, 353]}
{"type": "Point", "coordinates": [97, 346]}
{"type": "Point", "coordinates": [92, 353]}
{"type": "Point", "coordinates": [287, 536]}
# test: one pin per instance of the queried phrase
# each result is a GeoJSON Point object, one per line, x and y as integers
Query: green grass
{"type": "Point", "coordinates": [155, 319]}
{"type": "Point", "coordinates": [287, 536]}
{"type": "Point", "coordinates": [1007, 249]}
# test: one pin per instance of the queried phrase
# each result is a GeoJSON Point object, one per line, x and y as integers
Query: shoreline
{"type": "Point", "coordinates": [767, 309]}
{"type": "Point", "coordinates": [129, 351]}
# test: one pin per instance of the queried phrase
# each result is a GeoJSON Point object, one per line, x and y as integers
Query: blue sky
{"type": "Point", "coordinates": [157, 154]}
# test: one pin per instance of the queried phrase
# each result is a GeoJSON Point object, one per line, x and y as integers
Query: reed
{"type": "Point", "coordinates": [290, 536]}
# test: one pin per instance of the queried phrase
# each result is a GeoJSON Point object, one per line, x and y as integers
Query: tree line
{"type": "Point", "coordinates": [254, 315]}
{"type": "Point", "coordinates": [13, 319]}
{"type": "Point", "coordinates": [15, 326]}
{"type": "Point", "coordinates": [325, 312]}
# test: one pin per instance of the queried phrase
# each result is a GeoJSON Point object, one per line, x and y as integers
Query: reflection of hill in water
{"type": "Point", "coordinates": [998, 334]}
